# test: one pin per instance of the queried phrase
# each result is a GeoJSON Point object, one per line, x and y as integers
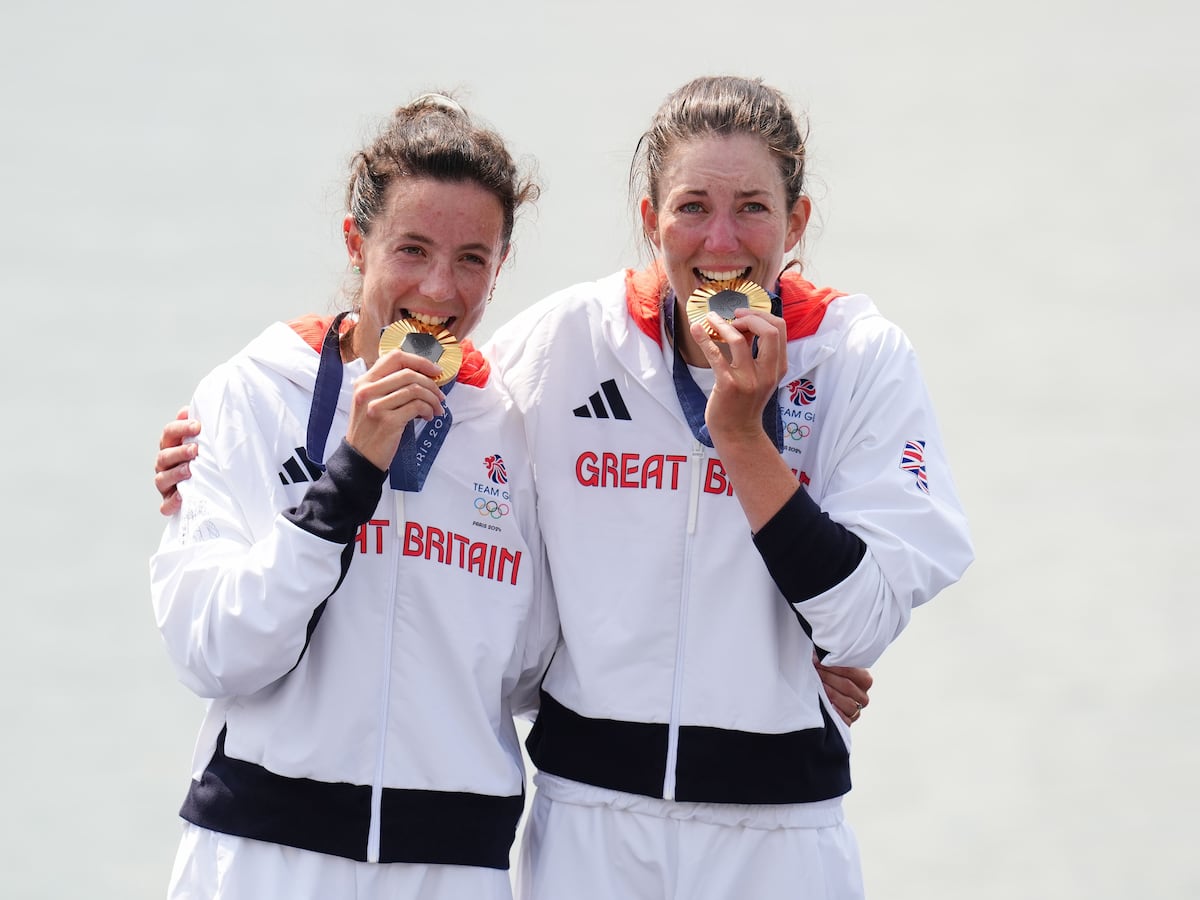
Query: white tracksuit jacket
{"type": "Point", "coordinates": [685, 666]}
{"type": "Point", "coordinates": [364, 653]}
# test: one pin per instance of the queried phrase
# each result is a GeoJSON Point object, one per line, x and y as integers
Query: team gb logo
{"type": "Point", "coordinates": [802, 392]}
{"type": "Point", "coordinates": [495, 469]}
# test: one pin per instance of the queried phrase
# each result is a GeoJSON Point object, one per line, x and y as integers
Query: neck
{"type": "Point", "coordinates": [346, 344]}
{"type": "Point", "coordinates": [356, 345]}
{"type": "Point", "coordinates": [688, 348]}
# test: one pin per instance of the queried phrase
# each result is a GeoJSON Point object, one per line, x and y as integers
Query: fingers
{"type": "Point", "coordinates": [752, 341]}
{"type": "Point", "coordinates": [174, 455]}
{"type": "Point", "coordinates": [743, 380]}
{"type": "Point", "coordinates": [763, 342]}
{"type": "Point", "coordinates": [393, 392]}
{"type": "Point", "coordinates": [401, 382]}
{"type": "Point", "coordinates": [861, 678]}
{"type": "Point", "coordinates": [399, 378]}
{"type": "Point", "coordinates": [390, 406]}
{"type": "Point", "coordinates": [846, 688]}
{"type": "Point", "coordinates": [168, 475]}
{"type": "Point", "coordinates": [398, 361]}
{"type": "Point", "coordinates": [171, 467]}
{"type": "Point", "coordinates": [172, 464]}
{"type": "Point", "coordinates": [166, 481]}
{"type": "Point", "coordinates": [171, 502]}
{"type": "Point", "coordinates": [409, 393]}
{"type": "Point", "coordinates": [178, 430]}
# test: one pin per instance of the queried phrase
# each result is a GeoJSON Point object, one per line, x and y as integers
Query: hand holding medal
{"type": "Point", "coordinates": [394, 391]}
{"type": "Point", "coordinates": [434, 344]}
{"type": "Point", "coordinates": [745, 379]}
{"type": "Point", "coordinates": [725, 298]}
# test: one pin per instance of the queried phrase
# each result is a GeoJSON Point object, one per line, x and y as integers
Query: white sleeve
{"type": "Point", "coordinates": [891, 485]}
{"type": "Point", "coordinates": [234, 583]}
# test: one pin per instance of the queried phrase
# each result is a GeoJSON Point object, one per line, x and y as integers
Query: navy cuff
{"type": "Point", "coordinates": [807, 552]}
{"type": "Point", "coordinates": [344, 497]}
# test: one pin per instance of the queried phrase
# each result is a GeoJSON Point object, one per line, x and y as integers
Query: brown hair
{"type": "Point", "coordinates": [721, 105]}
{"type": "Point", "coordinates": [434, 137]}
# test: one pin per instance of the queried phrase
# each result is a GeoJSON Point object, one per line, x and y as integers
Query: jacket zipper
{"type": "Point", "coordinates": [677, 688]}
{"type": "Point", "coordinates": [373, 833]}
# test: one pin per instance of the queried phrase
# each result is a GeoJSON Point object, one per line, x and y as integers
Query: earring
{"type": "Point", "coordinates": [492, 292]}
{"type": "Point", "coordinates": [357, 270]}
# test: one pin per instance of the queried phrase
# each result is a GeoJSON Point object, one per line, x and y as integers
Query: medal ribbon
{"type": "Point", "coordinates": [414, 458]}
{"type": "Point", "coordinates": [692, 399]}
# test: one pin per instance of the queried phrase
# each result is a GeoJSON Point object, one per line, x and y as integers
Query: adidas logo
{"type": "Point", "coordinates": [299, 468]}
{"type": "Point", "coordinates": [595, 405]}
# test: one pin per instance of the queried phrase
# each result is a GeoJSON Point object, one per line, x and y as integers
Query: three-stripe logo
{"type": "Point", "coordinates": [299, 468]}
{"type": "Point", "coordinates": [595, 405]}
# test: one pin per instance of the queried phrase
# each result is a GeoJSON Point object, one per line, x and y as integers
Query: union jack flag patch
{"type": "Point", "coordinates": [913, 461]}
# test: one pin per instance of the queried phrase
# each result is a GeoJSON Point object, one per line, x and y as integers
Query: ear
{"type": "Point", "coordinates": [354, 240]}
{"type": "Point", "coordinates": [797, 222]}
{"type": "Point", "coordinates": [500, 265]}
{"type": "Point", "coordinates": [650, 221]}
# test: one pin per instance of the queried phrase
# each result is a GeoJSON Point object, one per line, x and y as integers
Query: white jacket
{"type": "Point", "coordinates": [685, 671]}
{"type": "Point", "coordinates": [364, 653]}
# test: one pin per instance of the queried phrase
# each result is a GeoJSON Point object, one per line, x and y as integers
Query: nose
{"type": "Point", "coordinates": [438, 282]}
{"type": "Point", "coordinates": [721, 235]}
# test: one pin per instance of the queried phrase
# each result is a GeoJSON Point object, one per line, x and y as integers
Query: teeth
{"type": "Point", "coordinates": [426, 319]}
{"type": "Point", "coordinates": [723, 274]}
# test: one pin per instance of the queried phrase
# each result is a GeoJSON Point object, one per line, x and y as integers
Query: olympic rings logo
{"type": "Point", "coordinates": [797, 432]}
{"type": "Point", "coordinates": [490, 509]}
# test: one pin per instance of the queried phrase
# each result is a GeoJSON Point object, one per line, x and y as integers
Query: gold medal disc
{"type": "Point", "coordinates": [725, 298]}
{"type": "Point", "coordinates": [435, 344]}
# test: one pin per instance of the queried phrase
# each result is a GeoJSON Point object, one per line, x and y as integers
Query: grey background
{"type": "Point", "coordinates": [1015, 184]}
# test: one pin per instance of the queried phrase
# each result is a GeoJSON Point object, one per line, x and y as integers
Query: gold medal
{"type": "Point", "coordinates": [725, 298]}
{"type": "Point", "coordinates": [434, 343]}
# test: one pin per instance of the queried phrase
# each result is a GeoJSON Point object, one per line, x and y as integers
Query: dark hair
{"type": "Point", "coordinates": [434, 137]}
{"type": "Point", "coordinates": [721, 105]}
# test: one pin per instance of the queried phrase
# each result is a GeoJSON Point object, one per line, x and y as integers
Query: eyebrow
{"type": "Point", "coordinates": [423, 239]}
{"type": "Point", "coordinates": [739, 195]}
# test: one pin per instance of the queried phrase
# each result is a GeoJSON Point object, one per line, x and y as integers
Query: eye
{"type": "Point", "coordinates": [754, 206]}
{"type": "Point", "coordinates": [694, 206]}
{"type": "Point", "coordinates": [411, 250]}
{"type": "Point", "coordinates": [474, 259]}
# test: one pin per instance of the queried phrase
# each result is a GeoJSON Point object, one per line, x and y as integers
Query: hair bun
{"type": "Point", "coordinates": [434, 100]}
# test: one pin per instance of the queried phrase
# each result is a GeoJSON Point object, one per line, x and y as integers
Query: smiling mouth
{"type": "Point", "coordinates": [710, 275]}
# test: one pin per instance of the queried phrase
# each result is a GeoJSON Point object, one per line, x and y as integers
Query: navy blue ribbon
{"type": "Point", "coordinates": [692, 399]}
{"type": "Point", "coordinates": [414, 458]}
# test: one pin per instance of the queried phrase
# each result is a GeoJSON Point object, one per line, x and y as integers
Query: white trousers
{"type": "Point", "coordinates": [596, 852]}
{"type": "Point", "coordinates": [214, 866]}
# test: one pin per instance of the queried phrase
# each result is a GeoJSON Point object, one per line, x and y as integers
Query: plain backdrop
{"type": "Point", "coordinates": [1014, 184]}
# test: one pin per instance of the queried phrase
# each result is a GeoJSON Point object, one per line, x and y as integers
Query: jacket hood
{"type": "Point", "coordinates": [282, 350]}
